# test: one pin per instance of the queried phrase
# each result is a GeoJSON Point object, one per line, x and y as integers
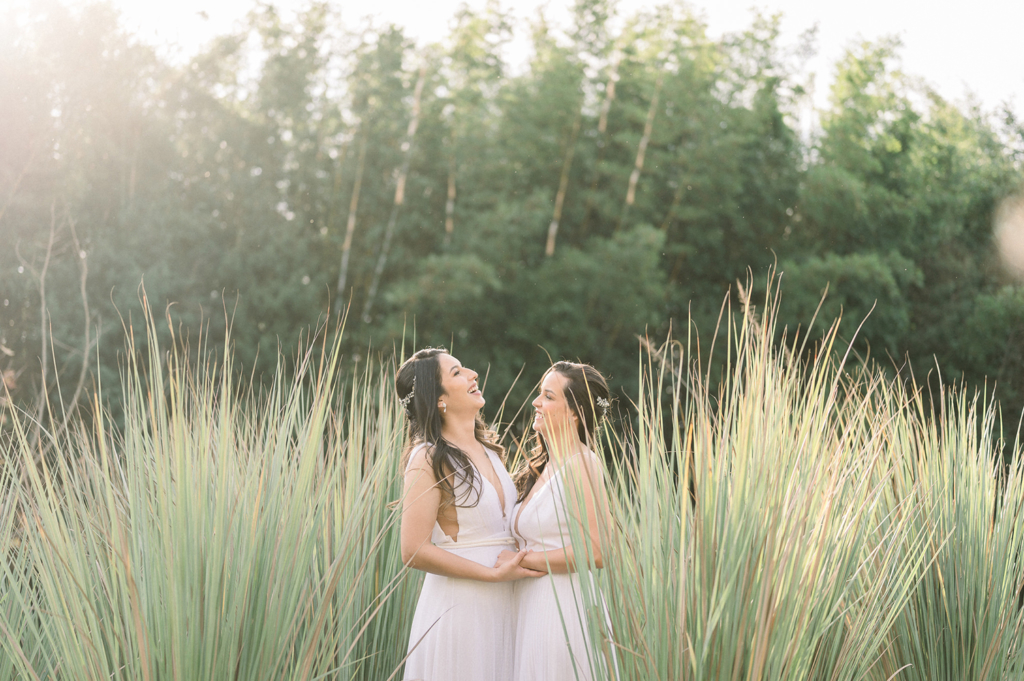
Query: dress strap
{"type": "Point", "coordinates": [413, 452]}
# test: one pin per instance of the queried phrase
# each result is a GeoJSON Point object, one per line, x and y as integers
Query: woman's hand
{"type": "Point", "coordinates": [505, 556]}
{"type": "Point", "coordinates": [507, 568]}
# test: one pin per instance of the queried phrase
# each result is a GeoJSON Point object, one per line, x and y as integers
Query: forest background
{"type": "Point", "coordinates": [616, 188]}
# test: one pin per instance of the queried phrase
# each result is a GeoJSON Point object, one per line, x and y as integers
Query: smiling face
{"type": "Point", "coordinates": [460, 393]}
{"type": "Point", "coordinates": [554, 418]}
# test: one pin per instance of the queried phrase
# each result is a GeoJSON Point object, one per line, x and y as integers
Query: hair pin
{"type": "Point", "coordinates": [408, 398]}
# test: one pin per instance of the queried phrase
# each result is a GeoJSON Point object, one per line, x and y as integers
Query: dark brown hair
{"type": "Point", "coordinates": [585, 391]}
{"type": "Point", "coordinates": [421, 376]}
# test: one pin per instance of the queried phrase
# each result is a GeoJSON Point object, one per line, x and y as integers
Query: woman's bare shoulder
{"type": "Point", "coordinates": [585, 466]}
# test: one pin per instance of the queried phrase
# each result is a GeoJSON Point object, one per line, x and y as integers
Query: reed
{"type": "Point", "coordinates": [802, 519]}
{"type": "Point", "coordinates": [808, 520]}
{"type": "Point", "coordinates": [221, 533]}
{"type": "Point", "coordinates": [964, 618]}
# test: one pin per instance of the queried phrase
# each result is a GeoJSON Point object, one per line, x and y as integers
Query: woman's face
{"type": "Point", "coordinates": [458, 384]}
{"type": "Point", "coordinates": [553, 417]}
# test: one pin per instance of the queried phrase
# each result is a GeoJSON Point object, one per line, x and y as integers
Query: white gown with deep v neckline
{"type": "Point", "coordinates": [462, 629]}
{"type": "Point", "coordinates": [551, 637]}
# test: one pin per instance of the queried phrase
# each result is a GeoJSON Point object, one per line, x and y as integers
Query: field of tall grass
{"type": "Point", "coordinates": [806, 517]}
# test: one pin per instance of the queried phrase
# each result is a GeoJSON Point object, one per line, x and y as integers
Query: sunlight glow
{"type": "Point", "coordinates": [957, 52]}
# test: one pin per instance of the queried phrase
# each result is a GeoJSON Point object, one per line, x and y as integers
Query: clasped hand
{"type": "Point", "coordinates": [508, 567]}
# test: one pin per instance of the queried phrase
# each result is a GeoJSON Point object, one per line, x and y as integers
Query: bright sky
{"type": "Point", "coordinates": [957, 47]}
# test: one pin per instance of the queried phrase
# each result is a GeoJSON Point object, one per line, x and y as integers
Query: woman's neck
{"type": "Point", "coordinates": [461, 433]}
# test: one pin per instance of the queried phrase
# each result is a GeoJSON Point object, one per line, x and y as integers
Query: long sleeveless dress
{"type": "Point", "coordinates": [462, 629]}
{"type": "Point", "coordinates": [551, 636]}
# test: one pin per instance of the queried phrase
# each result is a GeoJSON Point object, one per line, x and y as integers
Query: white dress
{"type": "Point", "coordinates": [462, 629]}
{"type": "Point", "coordinates": [551, 631]}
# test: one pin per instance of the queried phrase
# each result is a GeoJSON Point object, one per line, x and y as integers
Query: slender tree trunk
{"type": "Point", "coordinates": [17, 182]}
{"type": "Point", "coordinates": [681, 188]}
{"type": "Point", "coordinates": [563, 184]}
{"type": "Point", "coordinates": [602, 141]}
{"type": "Point", "coordinates": [42, 402]}
{"type": "Point", "coordinates": [332, 208]}
{"type": "Point", "coordinates": [350, 227]}
{"type": "Point", "coordinates": [641, 151]}
{"type": "Point", "coordinates": [609, 97]}
{"type": "Point", "coordinates": [449, 206]}
{"type": "Point", "coordinates": [677, 198]}
{"type": "Point", "coordinates": [83, 270]}
{"type": "Point", "coordinates": [389, 231]}
{"type": "Point", "coordinates": [133, 171]}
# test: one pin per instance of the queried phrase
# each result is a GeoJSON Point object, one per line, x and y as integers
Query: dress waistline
{"type": "Point", "coordinates": [506, 540]}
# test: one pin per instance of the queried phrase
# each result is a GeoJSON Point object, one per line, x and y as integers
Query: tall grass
{"type": "Point", "coordinates": [222, 533]}
{"type": "Point", "coordinates": [805, 519]}
{"type": "Point", "coordinates": [964, 619]}
{"type": "Point", "coordinates": [809, 520]}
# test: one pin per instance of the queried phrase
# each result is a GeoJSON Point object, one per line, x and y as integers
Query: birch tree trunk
{"type": "Point", "coordinates": [609, 97]}
{"type": "Point", "coordinates": [449, 206]}
{"type": "Point", "coordinates": [641, 151]}
{"type": "Point", "coordinates": [42, 400]}
{"type": "Point", "coordinates": [17, 183]}
{"type": "Point", "coordinates": [602, 139]}
{"type": "Point", "coordinates": [389, 231]}
{"type": "Point", "coordinates": [563, 184]}
{"type": "Point", "coordinates": [677, 198]}
{"type": "Point", "coordinates": [83, 271]}
{"type": "Point", "coordinates": [350, 227]}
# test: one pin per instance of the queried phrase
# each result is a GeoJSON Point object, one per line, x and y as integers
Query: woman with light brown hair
{"type": "Point", "coordinates": [560, 492]}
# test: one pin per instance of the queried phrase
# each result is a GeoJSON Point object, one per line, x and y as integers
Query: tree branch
{"type": "Point", "coordinates": [41, 401]}
{"type": "Point", "coordinates": [83, 269]}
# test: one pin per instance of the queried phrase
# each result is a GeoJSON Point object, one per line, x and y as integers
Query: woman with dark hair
{"type": "Point", "coordinates": [560, 492]}
{"type": "Point", "coordinates": [455, 522]}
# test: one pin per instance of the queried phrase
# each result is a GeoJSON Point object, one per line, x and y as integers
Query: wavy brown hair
{"type": "Point", "coordinates": [584, 386]}
{"type": "Point", "coordinates": [450, 465]}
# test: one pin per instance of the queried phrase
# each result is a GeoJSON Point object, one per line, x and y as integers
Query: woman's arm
{"type": "Point", "coordinates": [420, 505]}
{"type": "Point", "coordinates": [583, 481]}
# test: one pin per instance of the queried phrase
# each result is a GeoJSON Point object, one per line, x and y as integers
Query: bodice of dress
{"type": "Point", "coordinates": [542, 523]}
{"type": "Point", "coordinates": [483, 524]}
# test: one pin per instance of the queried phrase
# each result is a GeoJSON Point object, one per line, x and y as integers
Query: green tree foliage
{"type": "Point", "coordinates": [620, 183]}
{"type": "Point", "coordinates": [898, 208]}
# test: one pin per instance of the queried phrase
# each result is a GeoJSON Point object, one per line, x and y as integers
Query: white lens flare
{"type": "Point", "coordinates": [1009, 235]}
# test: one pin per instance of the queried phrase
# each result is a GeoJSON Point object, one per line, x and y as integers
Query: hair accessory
{"type": "Point", "coordinates": [408, 398]}
{"type": "Point", "coordinates": [604, 404]}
